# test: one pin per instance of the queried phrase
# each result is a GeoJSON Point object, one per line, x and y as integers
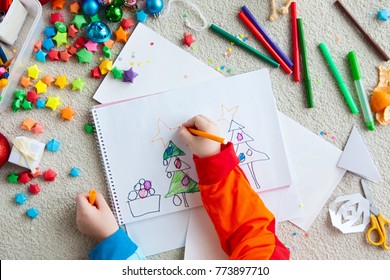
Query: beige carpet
{"type": "Point", "coordinates": [53, 235]}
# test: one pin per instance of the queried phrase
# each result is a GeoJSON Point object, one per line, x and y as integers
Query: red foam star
{"type": "Point", "coordinates": [127, 23]}
{"type": "Point", "coordinates": [53, 55]}
{"type": "Point", "coordinates": [95, 73]}
{"type": "Point", "coordinates": [188, 39]}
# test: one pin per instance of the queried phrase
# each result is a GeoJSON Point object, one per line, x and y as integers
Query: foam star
{"type": "Point", "coordinates": [74, 7]}
{"type": "Point", "coordinates": [41, 87]}
{"type": "Point", "coordinates": [78, 84]}
{"type": "Point", "coordinates": [75, 172]}
{"type": "Point", "coordinates": [58, 4]}
{"type": "Point", "coordinates": [48, 44]}
{"type": "Point", "coordinates": [32, 96]}
{"type": "Point", "coordinates": [65, 56]}
{"type": "Point", "coordinates": [129, 75]}
{"type": "Point", "coordinates": [33, 71]}
{"type": "Point", "coordinates": [91, 46]}
{"type": "Point", "coordinates": [117, 73]}
{"type": "Point", "coordinates": [20, 198]}
{"type": "Point", "coordinates": [61, 82]}
{"type": "Point", "coordinates": [121, 35]}
{"type": "Point", "coordinates": [84, 56]}
{"type": "Point", "coordinates": [40, 103]}
{"type": "Point", "coordinates": [127, 23]}
{"type": "Point", "coordinates": [24, 177]}
{"type": "Point", "coordinates": [79, 21]}
{"type": "Point", "coordinates": [32, 213]}
{"type": "Point", "coordinates": [228, 114]}
{"type": "Point", "coordinates": [188, 39]}
{"type": "Point", "coordinates": [109, 43]}
{"type": "Point", "coordinates": [95, 73]}
{"type": "Point", "coordinates": [25, 82]}
{"type": "Point", "coordinates": [67, 113]}
{"type": "Point", "coordinates": [48, 79]}
{"type": "Point", "coordinates": [53, 102]}
{"type": "Point", "coordinates": [53, 55]}
{"type": "Point", "coordinates": [37, 129]}
{"type": "Point", "coordinates": [141, 16]}
{"type": "Point", "coordinates": [53, 145]}
{"type": "Point", "coordinates": [105, 66]}
{"type": "Point", "coordinates": [28, 124]}
{"type": "Point", "coordinates": [72, 31]}
{"type": "Point", "coordinates": [37, 46]}
{"type": "Point", "coordinates": [13, 178]}
{"type": "Point", "coordinates": [34, 189]}
{"type": "Point", "coordinates": [163, 132]}
{"type": "Point", "coordinates": [50, 31]}
{"type": "Point", "coordinates": [49, 175]}
{"type": "Point", "coordinates": [54, 17]}
{"type": "Point", "coordinates": [26, 105]}
{"type": "Point", "coordinates": [40, 56]}
{"type": "Point", "coordinates": [61, 38]}
{"type": "Point", "coordinates": [95, 18]}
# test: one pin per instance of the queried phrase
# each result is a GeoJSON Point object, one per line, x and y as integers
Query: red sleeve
{"type": "Point", "coordinates": [246, 228]}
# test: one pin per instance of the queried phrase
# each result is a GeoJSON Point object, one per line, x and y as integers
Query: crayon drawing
{"type": "Point", "coordinates": [143, 200]}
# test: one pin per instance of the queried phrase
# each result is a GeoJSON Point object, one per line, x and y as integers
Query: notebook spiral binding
{"type": "Point", "coordinates": [107, 174]}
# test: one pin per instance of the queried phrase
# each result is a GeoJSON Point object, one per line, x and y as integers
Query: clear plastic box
{"type": "Point", "coordinates": [34, 25]}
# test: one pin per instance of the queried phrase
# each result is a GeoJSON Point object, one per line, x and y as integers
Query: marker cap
{"type": "Point", "coordinates": [354, 65]}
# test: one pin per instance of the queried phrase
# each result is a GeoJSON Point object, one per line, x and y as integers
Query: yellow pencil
{"type": "Point", "coordinates": [92, 197]}
{"type": "Point", "coordinates": [207, 135]}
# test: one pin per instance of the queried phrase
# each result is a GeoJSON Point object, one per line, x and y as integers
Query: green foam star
{"type": "Point", "coordinates": [79, 21]}
{"type": "Point", "coordinates": [61, 38]}
{"type": "Point", "coordinates": [84, 56]}
{"type": "Point", "coordinates": [78, 84]}
{"type": "Point", "coordinates": [117, 73]}
{"type": "Point", "coordinates": [13, 178]}
{"type": "Point", "coordinates": [26, 105]}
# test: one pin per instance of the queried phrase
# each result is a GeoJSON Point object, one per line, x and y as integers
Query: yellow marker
{"type": "Point", "coordinates": [207, 135]}
{"type": "Point", "coordinates": [92, 196]}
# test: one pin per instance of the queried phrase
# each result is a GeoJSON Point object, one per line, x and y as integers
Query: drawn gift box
{"type": "Point", "coordinates": [143, 206]}
{"type": "Point", "coordinates": [30, 150]}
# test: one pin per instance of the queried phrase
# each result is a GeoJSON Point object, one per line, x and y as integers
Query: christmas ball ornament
{"type": "Point", "coordinates": [5, 150]}
{"type": "Point", "coordinates": [154, 6]}
{"type": "Point", "coordinates": [130, 3]}
{"type": "Point", "coordinates": [90, 7]}
{"type": "Point", "coordinates": [105, 2]}
{"type": "Point", "coordinates": [98, 32]}
{"type": "Point", "coordinates": [114, 13]}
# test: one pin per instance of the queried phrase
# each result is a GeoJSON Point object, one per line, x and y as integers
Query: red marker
{"type": "Point", "coordinates": [264, 42]}
{"type": "Point", "coordinates": [294, 25]}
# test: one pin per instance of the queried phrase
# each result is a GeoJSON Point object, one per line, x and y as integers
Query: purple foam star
{"type": "Point", "coordinates": [129, 75]}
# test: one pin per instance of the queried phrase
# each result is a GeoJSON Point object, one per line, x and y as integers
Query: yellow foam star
{"type": "Point", "coordinates": [61, 82]}
{"type": "Point", "coordinates": [53, 102]}
{"type": "Point", "coordinates": [41, 87]}
{"type": "Point", "coordinates": [33, 71]}
{"type": "Point", "coordinates": [105, 66]}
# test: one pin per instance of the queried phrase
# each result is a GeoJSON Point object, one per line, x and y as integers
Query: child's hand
{"type": "Point", "coordinates": [96, 220]}
{"type": "Point", "coordinates": [200, 146]}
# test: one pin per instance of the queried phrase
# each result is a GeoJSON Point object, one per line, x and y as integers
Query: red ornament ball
{"type": "Point", "coordinates": [5, 150]}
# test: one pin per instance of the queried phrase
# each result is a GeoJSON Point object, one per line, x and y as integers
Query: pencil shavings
{"type": "Point", "coordinates": [384, 116]}
{"type": "Point", "coordinates": [380, 99]}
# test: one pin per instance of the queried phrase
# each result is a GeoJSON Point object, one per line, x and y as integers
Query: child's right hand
{"type": "Point", "coordinates": [200, 146]}
{"type": "Point", "coordinates": [96, 221]}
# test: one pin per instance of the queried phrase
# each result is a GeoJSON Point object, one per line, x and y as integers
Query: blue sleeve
{"type": "Point", "coordinates": [118, 246]}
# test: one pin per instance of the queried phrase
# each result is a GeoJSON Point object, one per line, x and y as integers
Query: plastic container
{"type": "Point", "coordinates": [35, 24]}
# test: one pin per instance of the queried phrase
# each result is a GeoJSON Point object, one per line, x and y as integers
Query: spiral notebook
{"type": "Point", "coordinates": [150, 171]}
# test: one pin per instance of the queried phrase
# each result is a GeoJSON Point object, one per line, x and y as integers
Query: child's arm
{"type": "Point", "coordinates": [98, 222]}
{"type": "Point", "coordinates": [246, 228]}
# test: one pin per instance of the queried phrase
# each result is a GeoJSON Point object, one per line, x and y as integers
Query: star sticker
{"type": "Point", "coordinates": [53, 102]}
{"type": "Point", "coordinates": [121, 35]}
{"type": "Point", "coordinates": [26, 105]}
{"type": "Point", "coordinates": [129, 75]}
{"type": "Point", "coordinates": [37, 129]}
{"type": "Point", "coordinates": [67, 113]}
{"type": "Point", "coordinates": [91, 46]}
{"type": "Point", "coordinates": [72, 31]}
{"type": "Point", "coordinates": [141, 16]}
{"type": "Point", "coordinates": [33, 71]}
{"type": "Point", "coordinates": [25, 82]}
{"type": "Point", "coordinates": [78, 84]}
{"type": "Point", "coordinates": [58, 4]}
{"type": "Point", "coordinates": [53, 55]}
{"type": "Point", "coordinates": [188, 39]}
{"type": "Point", "coordinates": [28, 124]}
{"type": "Point", "coordinates": [65, 56]}
{"type": "Point", "coordinates": [48, 79]}
{"type": "Point", "coordinates": [79, 21]}
{"type": "Point", "coordinates": [13, 178]}
{"type": "Point", "coordinates": [61, 38]}
{"type": "Point", "coordinates": [32, 213]}
{"type": "Point", "coordinates": [74, 7]}
{"type": "Point", "coordinates": [20, 198]}
{"type": "Point", "coordinates": [117, 73]}
{"type": "Point", "coordinates": [228, 114]}
{"type": "Point", "coordinates": [40, 56]}
{"type": "Point", "coordinates": [127, 23]}
{"type": "Point", "coordinates": [95, 73]}
{"type": "Point", "coordinates": [41, 87]}
{"type": "Point", "coordinates": [163, 132]}
{"type": "Point", "coordinates": [84, 56]}
{"type": "Point", "coordinates": [105, 66]}
{"type": "Point", "coordinates": [61, 82]}
{"type": "Point", "coordinates": [32, 96]}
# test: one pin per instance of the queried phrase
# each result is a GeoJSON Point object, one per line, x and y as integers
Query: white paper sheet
{"type": "Point", "coordinates": [357, 159]}
{"type": "Point", "coordinates": [134, 152]}
{"type": "Point", "coordinates": [160, 64]}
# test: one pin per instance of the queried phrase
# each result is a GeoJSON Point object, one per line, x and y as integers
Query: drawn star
{"type": "Point", "coordinates": [41, 87]}
{"type": "Point", "coordinates": [121, 35]}
{"type": "Point", "coordinates": [141, 16]}
{"type": "Point", "coordinates": [61, 82]}
{"type": "Point", "coordinates": [53, 102]}
{"type": "Point", "coordinates": [67, 113]}
{"type": "Point", "coordinates": [61, 38]}
{"type": "Point", "coordinates": [20, 198]}
{"type": "Point", "coordinates": [164, 133]}
{"type": "Point", "coordinates": [228, 114]}
{"type": "Point", "coordinates": [91, 46]}
{"type": "Point", "coordinates": [188, 39]}
{"type": "Point", "coordinates": [129, 75]}
{"type": "Point", "coordinates": [33, 71]}
{"type": "Point", "coordinates": [78, 84]}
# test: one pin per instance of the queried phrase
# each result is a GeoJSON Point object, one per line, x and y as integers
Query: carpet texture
{"type": "Point", "coordinates": [53, 235]}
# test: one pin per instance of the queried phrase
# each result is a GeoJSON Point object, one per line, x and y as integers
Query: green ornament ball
{"type": "Point", "coordinates": [114, 13]}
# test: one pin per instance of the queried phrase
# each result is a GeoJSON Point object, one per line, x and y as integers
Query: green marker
{"type": "Point", "coordinates": [240, 43]}
{"type": "Point", "coordinates": [367, 113]}
{"type": "Point", "coordinates": [339, 79]}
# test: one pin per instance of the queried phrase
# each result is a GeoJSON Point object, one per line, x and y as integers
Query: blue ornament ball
{"type": "Point", "coordinates": [98, 32]}
{"type": "Point", "coordinates": [90, 7]}
{"type": "Point", "coordinates": [154, 6]}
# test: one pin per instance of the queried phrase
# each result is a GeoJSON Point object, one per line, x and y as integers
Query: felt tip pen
{"type": "Point", "coordinates": [367, 113]}
{"type": "Point", "coordinates": [207, 135]}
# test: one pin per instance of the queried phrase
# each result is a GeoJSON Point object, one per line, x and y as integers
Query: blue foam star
{"type": "Point", "coordinates": [50, 31]}
{"type": "Point", "coordinates": [53, 145]}
{"type": "Point", "coordinates": [20, 198]}
{"type": "Point", "coordinates": [40, 103]}
{"type": "Point", "coordinates": [48, 44]}
{"type": "Point", "coordinates": [383, 15]}
{"type": "Point", "coordinates": [75, 172]}
{"type": "Point", "coordinates": [41, 56]}
{"type": "Point", "coordinates": [141, 16]}
{"type": "Point", "coordinates": [32, 213]}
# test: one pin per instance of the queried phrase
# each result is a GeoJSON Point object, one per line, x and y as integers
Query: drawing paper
{"type": "Point", "coordinates": [151, 172]}
{"type": "Point", "coordinates": [160, 65]}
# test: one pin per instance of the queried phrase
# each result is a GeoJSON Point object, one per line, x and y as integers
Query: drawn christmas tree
{"type": "Point", "coordinates": [181, 183]}
{"type": "Point", "coordinates": [247, 155]}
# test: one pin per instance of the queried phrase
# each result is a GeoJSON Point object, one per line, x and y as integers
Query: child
{"type": "Point", "coordinates": [246, 228]}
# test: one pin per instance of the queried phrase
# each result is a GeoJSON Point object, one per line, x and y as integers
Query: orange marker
{"type": "Point", "coordinates": [207, 135]}
{"type": "Point", "coordinates": [92, 196]}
